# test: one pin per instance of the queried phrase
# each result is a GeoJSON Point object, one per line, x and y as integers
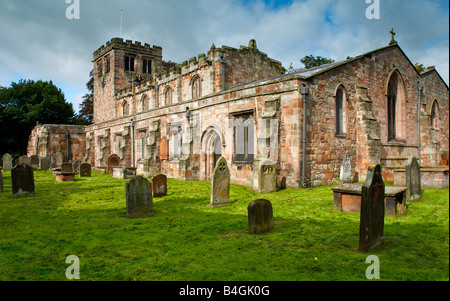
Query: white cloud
{"type": "Point", "coordinates": [38, 42]}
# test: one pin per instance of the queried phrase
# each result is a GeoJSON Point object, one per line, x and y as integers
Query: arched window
{"type": "Point", "coordinates": [435, 122]}
{"type": "Point", "coordinates": [168, 96]}
{"type": "Point", "coordinates": [196, 87]}
{"type": "Point", "coordinates": [144, 103]}
{"type": "Point", "coordinates": [341, 111]}
{"type": "Point", "coordinates": [396, 108]}
{"type": "Point", "coordinates": [125, 109]}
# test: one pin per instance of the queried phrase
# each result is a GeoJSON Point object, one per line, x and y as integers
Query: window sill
{"type": "Point", "coordinates": [341, 136]}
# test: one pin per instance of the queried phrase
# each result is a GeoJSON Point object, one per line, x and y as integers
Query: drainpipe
{"type": "Point", "coordinates": [132, 142]}
{"type": "Point", "coordinates": [420, 88]}
{"type": "Point", "coordinates": [304, 91]}
{"type": "Point", "coordinates": [68, 145]}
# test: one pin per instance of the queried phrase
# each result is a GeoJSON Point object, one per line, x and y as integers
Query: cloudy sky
{"type": "Point", "coordinates": [38, 41]}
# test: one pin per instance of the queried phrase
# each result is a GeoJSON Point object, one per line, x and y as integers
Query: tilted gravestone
{"type": "Point", "coordinates": [7, 162]}
{"type": "Point", "coordinates": [44, 163]}
{"type": "Point", "coordinates": [159, 184]}
{"type": "Point", "coordinates": [267, 176]}
{"type": "Point", "coordinates": [22, 178]}
{"type": "Point", "coordinates": [85, 170]}
{"type": "Point", "coordinates": [372, 210]}
{"type": "Point", "coordinates": [139, 198]}
{"type": "Point", "coordinates": [260, 216]}
{"type": "Point", "coordinates": [34, 162]}
{"type": "Point", "coordinates": [220, 184]}
{"type": "Point", "coordinates": [345, 174]}
{"type": "Point", "coordinates": [413, 183]}
{"type": "Point", "coordinates": [1, 182]}
{"type": "Point", "coordinates": [76, 166]}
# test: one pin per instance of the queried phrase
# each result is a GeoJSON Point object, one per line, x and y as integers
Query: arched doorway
{"type": "Point", "coordinates": [113, 161]}
{"type": "Point", "coordinates": [211, 151]}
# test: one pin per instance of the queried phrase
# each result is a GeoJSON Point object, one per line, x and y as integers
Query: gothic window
{"type": "Point", "coordinates": [196, 87]}
{"type": "Point", "coordinates": [146, 66]}
{"type": "Point", "coordinates": [129, 63]}
{"type": "Point", "coordinates": [176, 142]}
{"type": "Point", "coordinates": [396, 108]}
{"type": "Point", "coordinates": [168, 96]}
{"type": "Point", "coordinates": [435, 122]}
{"type": "Point", "coordinates": [108, 64]}
{"type": "Point", "coordinates": [99, 68]}
{"type": "Point", "coordinates": [243, 138]}
{"type": "Point", "coordinates": [341, 111]}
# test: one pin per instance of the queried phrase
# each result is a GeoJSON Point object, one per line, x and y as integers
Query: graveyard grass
{"type": "Point", "coordinates": [185, 240]}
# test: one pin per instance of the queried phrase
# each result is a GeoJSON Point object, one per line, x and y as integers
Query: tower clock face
{"type": "Point", "coordinates": [103, 82]}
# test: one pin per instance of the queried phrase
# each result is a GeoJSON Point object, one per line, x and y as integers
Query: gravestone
{"type": "Point", "coordinates": [76, 166]}
{"type": "Point", "coordinates": [139, 199]}
{"type": "Point", "coordinates": [22, 181]}
{"type": "Point", "coordinates": [159, 184]}
{"type": "Point", "coordinates": [59, 159]}
{"type": "Point", "coordinates": [7, 162]}
{"type": "Point", "coordinates": [66, 167]}
{"type": "Point", "coordinates": [34, 162]}
{"type": "Point", "coordinates": [372, 210]}
{"type": "Point", "coordinates": [267, 176]}
{"type": "Point", "coordinates": [23, 160]}
{"type": "Point", "coordinates": [260, 216]}
{"type": "Point", "coordinates": [220, 184]}
{"type": "Point", "coordinates": [45, 163]}
{"type": "Point", "coordinates": [1, 182]}
{"type": "Point", "coordinates": [345, 174]}
{"type": "Point", "coordinates": [85, 170]}
{"type": "Point", "coordinates": [413, 183]}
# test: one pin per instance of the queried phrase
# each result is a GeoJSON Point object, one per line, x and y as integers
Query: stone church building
{"type": "Point", "coordinates": [241, 104]}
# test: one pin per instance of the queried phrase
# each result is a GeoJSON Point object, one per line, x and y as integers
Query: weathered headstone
{"type": "Point", "coordinates": [267, 176]}
{"type": "Point", "coordinates": [345, 174]}
{"type": "Point", "coordinates": [139, 197]}
{"type": "Point", "coordinates": [76, 166]}
{"type": "Point", "coordinates": [85, 170]}
{"type": "Point", "coordinates": [44, 163]}
{"type": "Point", "coordinates": [260, 216]}
{"type": "Point", "coordinates": [1, 182]}
{"type": "Point", "coordinates": [59, 159]}
{"type": "Point", "coordinates": [22, 178]}
{"type": "Point", "coordinates": [66, 167]}
{"type": "Point", "coordinates": [220, 184]}
{"type": "Point", "coordinates": [113, 161]}
{"type": "Point", "coordinates": [23, 160]}
{"type": "Point", "coordinates": [34, 162]}
{"type": "Point", "coordinates": [372, 210]}
{"type": "Point", "coordinates": [7, 162]}
{"type": "Point", "coordinates": [159, 184]}
{"type": "Point", "coordinates": [413, 183]}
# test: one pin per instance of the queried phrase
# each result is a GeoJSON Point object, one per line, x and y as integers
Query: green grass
{"type": "Point", "coordinates": [185, 240]}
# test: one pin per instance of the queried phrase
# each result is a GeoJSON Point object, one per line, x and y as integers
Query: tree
{"type": "Point", "coordinates": [311, 61]}
{"type": "Point", "coordinates": [24, 104]}
{"type": "Point", "coordinates": [86, 115]}
{"type": "Point", "coordinates": [167, 65]}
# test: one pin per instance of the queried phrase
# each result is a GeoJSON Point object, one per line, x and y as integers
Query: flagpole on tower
{"type": "Point", "coordinates": [121, 16]}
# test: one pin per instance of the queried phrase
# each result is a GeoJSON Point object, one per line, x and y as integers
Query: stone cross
{"type": "Point", "coordinates": [372, 210]}
{"type": "Point", "coordinates": [22, 181]}
{"type": "Point", "coordinates": [392, 37]}
{"type": "Point", "coordinates": [260, 216]}
{"type": "Point", "coordinates": [413, 182]}
{"type": "Point", "coordinates": [139, 198]}
{"type": "Point", "coordinates": [159, 184]}
{"type": "Point", "coordinates": [220, 184]}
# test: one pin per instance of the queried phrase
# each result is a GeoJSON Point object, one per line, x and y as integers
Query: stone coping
{"type": "Point", "coordinates": [357, 189]}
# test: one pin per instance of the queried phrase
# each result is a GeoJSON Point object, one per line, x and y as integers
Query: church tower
{"type": "Point", "coordinates": [116, 65]}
